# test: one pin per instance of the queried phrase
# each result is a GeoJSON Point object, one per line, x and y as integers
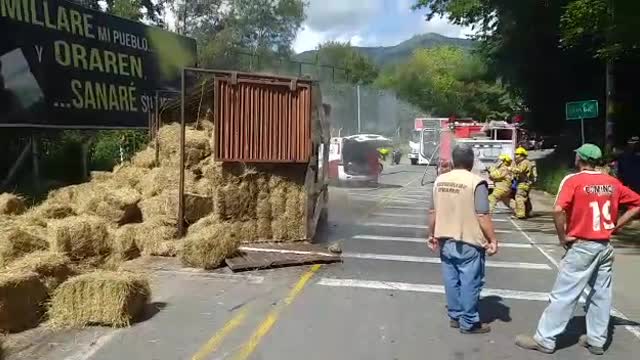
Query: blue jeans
{"type": "Point", "coordinates": [586, 263]}
{"type": "Point", "coordinates": [463, 277]}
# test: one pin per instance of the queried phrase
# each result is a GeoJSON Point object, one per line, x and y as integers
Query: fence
{"type": "Point", "coordinates": [355, 109]}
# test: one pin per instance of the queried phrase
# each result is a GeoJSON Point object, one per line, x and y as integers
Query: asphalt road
{"type": "Point", "coordinates": [383, 302]}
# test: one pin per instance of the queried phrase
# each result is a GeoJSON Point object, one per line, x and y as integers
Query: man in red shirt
{"type": "Point", "coordinates": [585, 216]}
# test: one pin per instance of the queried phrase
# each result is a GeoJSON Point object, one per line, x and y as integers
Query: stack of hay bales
{"type": "Point", "coordinates": [265, 203]}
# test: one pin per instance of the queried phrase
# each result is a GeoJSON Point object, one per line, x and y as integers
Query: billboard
{"type": "Point", "coordinates": [63, 65]}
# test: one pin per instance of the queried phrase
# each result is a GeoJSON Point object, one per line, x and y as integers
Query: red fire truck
{"type": "Point", "coordinates": [488, 140]}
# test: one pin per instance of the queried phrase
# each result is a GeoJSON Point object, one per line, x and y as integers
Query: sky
{"type": "Point", "coordinates": [368, 23]}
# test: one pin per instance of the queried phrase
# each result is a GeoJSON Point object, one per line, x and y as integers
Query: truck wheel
{"type": "Point", "coordinates": [414, 161]}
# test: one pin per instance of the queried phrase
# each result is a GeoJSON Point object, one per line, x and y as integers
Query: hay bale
{"type": "Point", "coordinates": [52, 210]}
{"type": "Point", "coordinates": [125, 242]}
{"type": "Point", "coordinates": [145, 159]}
{"type": "Point", "coordinates": [165, 248]}
{"type": "Point", "coordinates": [203, 187]}
{"type": "Point", "coordinates": [212, 170]}
{"type": "Point", "coordinates": [264, 229]}
{"type": "Point", "coordinates": [75, 196]}
{"type": "Point", "coordinates": [203, 224]}
{"type": "Point", "coordinates": [164, 205]}
{"type": "Point", "coordinates": [207, 249]}
{"type": "Point", "coordinates": [101, 176]}
{"type": "Point", "coordinates": [294, 219]}
{"type": "Point", "coordinates": [278, 199]}
{"type": "Point", "coordinates": [128, 176]}
{"type": "Point", "coordinates": [11, 204]}
{"type": "Point", "coordinates": [236, 202]}
{"type": "Point", "coordinates": [162, 179]}
{"type": "Point", "coordinates": [100, 298]}
{"type": "Point", "coordinates": [153, 236]}
{"type": "Point", "coordinates": [81, 237]}
{"type": "Point", "coordinates": [249, 231]}
{"type": "Point", "coordinates": [22, 301]}
{"type": "Point", "coordinates": [17, 242]}
{"type": "Point", "coordinates": [196, 207]}
{"type": "Point", "coordinates": [120, 206]}
{"type": "Point", "coordinates": [53, 268]}
{"type": "Point", "coordinates": [263, 206]}
{"type": "Point", "coordinates": [169, 138]}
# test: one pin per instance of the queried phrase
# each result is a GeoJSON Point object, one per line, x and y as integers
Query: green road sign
{"type": "Point", "coordinates": [580, 110]}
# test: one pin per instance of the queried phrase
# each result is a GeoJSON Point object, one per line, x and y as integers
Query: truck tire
{"type": "Point", "coordinates": [414, 161]}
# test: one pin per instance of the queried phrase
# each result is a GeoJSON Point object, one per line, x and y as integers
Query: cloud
{"type": "Point", "coordinates": [442, 26]}
{"type": "Point", "coordinates": [368, 23]}
{"type": "Point", "coordinates": [342, 15]}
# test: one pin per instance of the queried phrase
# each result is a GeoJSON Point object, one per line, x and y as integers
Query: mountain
{"type": "Point", "coordinates": [386, 55]}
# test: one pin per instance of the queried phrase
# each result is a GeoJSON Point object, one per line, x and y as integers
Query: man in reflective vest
{"type": "Point", "coordinates": [501, 176]}
{"type": "Point", "coordinates": [523, 173]}
{"type": "Point", "coordinates": [461, 229]}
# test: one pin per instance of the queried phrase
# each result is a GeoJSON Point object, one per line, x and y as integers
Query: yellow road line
{"type": "Point", "coordinates": [213, 343]}
{"type": "Point", "coordinates": [263, 329]}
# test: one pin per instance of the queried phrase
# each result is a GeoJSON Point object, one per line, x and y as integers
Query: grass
{"type": "Point", "coordinates": [551, 171]}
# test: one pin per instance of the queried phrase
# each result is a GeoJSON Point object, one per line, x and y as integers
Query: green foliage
{"type": "Point", "coordinates": [226, 29]}
{"type": "Point", "coordinates": [105, 152]}
{"type": "Point", "coordinates": [609, 26]}
{"type": "Point", "coordinates": [358, 69]}
{"type": "Point", "coordinates": [551, 171]}
{"type": "Point", "coordinates": [384, 56]}
{"type": "Point", "coordinates": [449, 81]}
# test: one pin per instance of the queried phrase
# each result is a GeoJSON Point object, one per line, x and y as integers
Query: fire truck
{"type": "Point", "coordinates": [488, 140]}
{"type": "Point", "coordinates": [424, 141]}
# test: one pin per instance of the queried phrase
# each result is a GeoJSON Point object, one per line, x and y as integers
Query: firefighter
{"type": "Point", "coordinates": [501, 176]}
{"type": "Point", "coordinates": [523, 172]}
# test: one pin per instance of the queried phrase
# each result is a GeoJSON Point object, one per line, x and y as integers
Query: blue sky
{"type": "Point", "coordinates": [368, 23]}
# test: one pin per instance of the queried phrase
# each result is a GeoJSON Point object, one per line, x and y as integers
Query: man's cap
{"type": "Point", "coordinates": [589, 152]}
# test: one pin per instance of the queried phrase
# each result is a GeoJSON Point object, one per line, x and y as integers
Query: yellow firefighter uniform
{"type": "Point", "coordinates": [501, 176]}
{"type": "Point", "coordinates": [524, 174]}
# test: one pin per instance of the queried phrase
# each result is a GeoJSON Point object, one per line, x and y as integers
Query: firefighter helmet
{"type": "Point", "coordinates": [505, 157]}
{"type": "Point", "coordinates": [522, 151]}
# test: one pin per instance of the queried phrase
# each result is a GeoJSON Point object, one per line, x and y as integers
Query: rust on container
{"type": "Point", "coordinates": [262, 118]}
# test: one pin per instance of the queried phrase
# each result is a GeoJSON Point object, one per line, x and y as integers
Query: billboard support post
{"type": "Point", "coordinates": [16, 166]}
{"type": "Point", "coordinates": [181, 227]}
{"type": "Point", "coordinates": [35, 158]}
{"type": "Point", "coordinates": [156, 129]}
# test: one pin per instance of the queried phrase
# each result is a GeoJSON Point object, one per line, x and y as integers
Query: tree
{"type": "Point", "coordinates": [608, 26]}
{"type": "Point", "coordinates": [267, 25]}
{"type": "Point", "coordinates": [448, 81]}
{"type": "Point", "coordinates": [358, 68]}
{"type": "Point", "coordinates": [151, 11]}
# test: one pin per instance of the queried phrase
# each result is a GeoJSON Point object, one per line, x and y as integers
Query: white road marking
{"type": "Point", "coordinates": [635, 330]}
{"type": "Point", "coordinates": [421, 240]}
{"type": "Point", "coordinates": [403, 226]}
{"type": "Point", "coordinates": [423, 216]}
{"type": "Point", "coordinates": [425, 288]}
{"type": "Point", "coordinates": [434, 260]}
{"type": "Point", "coordinates": [412, 208]}
{"type": "Point", "coordinates": [413, 226]}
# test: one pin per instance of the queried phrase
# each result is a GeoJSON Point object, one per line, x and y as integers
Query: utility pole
{"type": "Point", "coordinates": [610, 87]}
{"type": "Point", "coordinates": [359, 117]}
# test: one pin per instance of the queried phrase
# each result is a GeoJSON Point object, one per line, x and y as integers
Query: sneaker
{"type": "Point", "coordinates": [477, 329]}
{"type": "Point", "coordinates": [529, 343]}
{"type": "Point", "coordinates": [454, 324]}
{"type": "Point", "coordinates": [595, 350]}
